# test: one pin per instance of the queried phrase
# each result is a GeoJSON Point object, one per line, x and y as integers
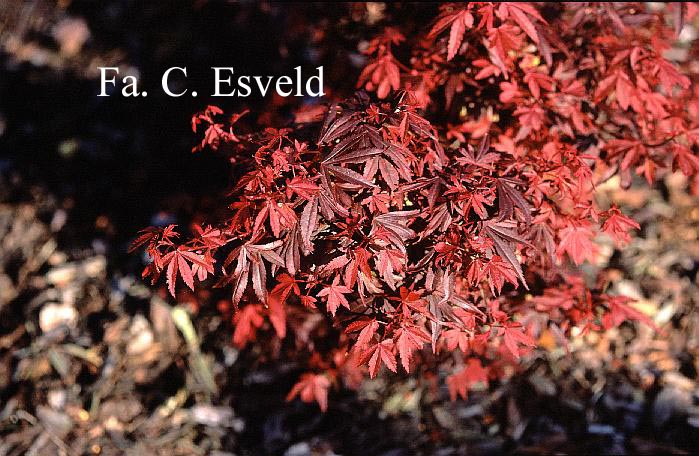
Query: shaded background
{"type": "Point", "coordinates": [94, 362]}
{"type": "Point", "coordinates": [124, 157]}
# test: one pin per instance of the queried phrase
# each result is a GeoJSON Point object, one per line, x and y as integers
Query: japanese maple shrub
{"type": "Point", "coordinates": [447, 246]}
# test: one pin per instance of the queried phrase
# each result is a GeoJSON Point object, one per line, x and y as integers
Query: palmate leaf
{"type": "Point", "coordinates": [305, 188]}
{"type": "Point", "coordinates": [367, 330]}
{"type": "Point", "coordinates": [358, 137]}
{"type": "Point", "coordinates": [328, 206]}
{"type": "Point", "coordinates": [259, 278]}
{"type": "Point", "coordinates": [400, 156]}
{"type": "Point", "coordinates": [285, 285]}
{"type": "Point", "coordinates": [392, 227]}
{"type": "Point", "coordinates": [177, 263]}
{"type": "Point", "coordinates": [457, 338]}
{"type": "Point", "coordinates": [408, 339]}
{"type": "Point", "coordinates": [335, 295]}
{"type": "Point", "coordinates": [618, 226]}
{"type": "Point", "coordinates": [362, 144]}
{"type": "Point", "coordinates": [337, 125]}
{"type": "Point", "coordinates": [352, 135]}
{"type": "Point", "coordinates": [388, 173]}
{"type": "Point", "coordinates": [308, 223]}
{"type": "Point", "coordinates": [250, 258]}
{"type": "Point", "coordinates": [522, 14]}
{"type": "Point", "coordinates": [389, 262]}
{"type": "Point", "coordinates": [311, 387]}
{"type": "Point", "coordinates": [445, 284]}
{"type": "Point", "coordinates": [351, 141]}
{"type": "Point", "coordinates": [542, 237]}
{"type": "Point", "coordinates": [247, 320]}
{"type": "Point", "coordinates": [463, 21]}
{"type": "Point", "coordinates": [291, 250]}
{"type": "Point", "coordinates": [435, 185]}
{"type": "Point", "coordinates": [498, 272]}
{"type": "Point", "coordinates": [240, 279]}
{"type": "Point", "coordinates": [357, 267]}
{"type": "Point", "coordinates": [390, 170]}
{"type": "Point", "coordinates": [346, 175]}
{"type": "Point", "coordinates": [333, 265]}
{"type": "Point", "coordinates": [502, 236]}
{"type": "Point", "coordinates": [391, 161]}
{"type": "Point", "coordinates": [481, 157]}
{"type": "Point", "coordinates": [620, 310]}
{"type": "Point", "coordinates": [353, 156]}
{"type": "Point", "coordinates": [397, 222]}
{"type": "Point", "coordinates": [509, 198]}
{"type": "Point", "coordinates": [577, 242]}
{"type": "Point", "coordinates": [442, 300]}
{"type": "Point", "coordinates": [513, 337]}
{"type": "Point", "coordinates": [447, 19]}
{"type": "Point", "coordinates": [375, 355]}
{"type": "Point", "coordinates": [434, 307]}
{"type": "Point", "coordinates": [460, 382]}
{"type": "Point", "coordinates": [144, 237]}
{"type": "Point", "coordinates": [384, 73]}
{"type": "Point", "coordinates": [503, 40]}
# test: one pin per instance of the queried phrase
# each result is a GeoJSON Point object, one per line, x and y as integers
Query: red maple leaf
{"type": "Point", "coordinates": [514, 337]}
{"type": "Point", "coordinates": [497, 272]}
{"type": "Point", "coordinates": [457, 338]}
{"type": "Point", "coordinates": [335, 295]}
{"type": "Point", "coordinates": [177, 263]}
{"type": "Point", "coordinates": [375, 355]}
{"type": "Point", "coordinates": [367, 330]}
{"type": "Point", "coordinates": [536, 81]}
{"type": "Point", "coordinates": [531, 117]}
{"type": "Point", "coordinates": [504, 39]}
{"type": "Point", "coordinates": [382, 76]}
{"type": "Point", "coordinates": [618, 226]}
{"type": "Point", "coordinates": [303, 187]}
{"type": "Point", "coordinates": [459, 20]}
{"type": "Point", "coordinates": [390, 261]}
{"type": "Point", "coordinates": [576, 241]}
{"type": "Point", "coordinates": [462, 381]}
{"type": "Point", "coordinates": [685, 160]}
{"type": "Point", "coordinates": [620, 311]}
{"type": "Point", "coordinates": [311, 387]}
{"type": "Point", "coordinates": [408, 339]}
{"type": "Point", "coordinates": [522, 14]}
{"type": "Point", "coordinates": [247, 320]}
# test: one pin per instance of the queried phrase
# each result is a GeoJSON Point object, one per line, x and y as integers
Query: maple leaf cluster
{"type": "Point", "coordinates": [449, 245]}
